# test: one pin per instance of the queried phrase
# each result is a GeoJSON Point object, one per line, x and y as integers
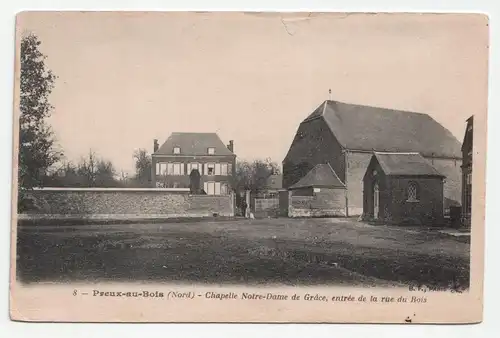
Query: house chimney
{"type": "Point", "coordinates": [155, 145]}
{"type": "Point", "coordinates": [230, 146]}
{"type": "Point", "coordinates": [330, 94]}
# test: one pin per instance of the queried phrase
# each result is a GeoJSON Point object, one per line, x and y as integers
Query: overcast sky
{"type": "Point", "coordinates": [125, 79]}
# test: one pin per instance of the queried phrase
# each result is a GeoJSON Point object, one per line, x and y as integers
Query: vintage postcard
{"type": "Point", "coordinates": [249, 167]}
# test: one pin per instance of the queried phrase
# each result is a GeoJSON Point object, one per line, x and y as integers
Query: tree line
{"type": "Point", "coordinates": [95, 171]}
{"type": "Point", "coordinates": [41, 162]}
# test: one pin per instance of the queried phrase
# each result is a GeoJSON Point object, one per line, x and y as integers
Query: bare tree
{"type": "Point", "coordinates": [97, 172]}
{"type": "Point", "coordinates": [142, 168]}
{"type": "Point", "coordinates": [87, 169]}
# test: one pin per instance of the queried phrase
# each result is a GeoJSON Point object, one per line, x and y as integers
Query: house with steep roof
{"type": "Point", "coordinates": [345, 136]}
{"type": "Point", "coordinates": [184, 154]}
{"type": "Point", "coordinates": [403, 188]}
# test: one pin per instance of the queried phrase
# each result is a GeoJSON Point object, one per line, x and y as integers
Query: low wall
{"type": "Point", "coordinates": [266, 207]}
{"type": "Point", "coordinates": [326, 203]}
{"type": "Point", "coordinates": [126, 203]}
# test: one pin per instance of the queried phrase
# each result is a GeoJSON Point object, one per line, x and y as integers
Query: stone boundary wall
{"type": "Point", "coordinates": [312, 206]}
{"type": "Point", "coordinates": [127, 203]}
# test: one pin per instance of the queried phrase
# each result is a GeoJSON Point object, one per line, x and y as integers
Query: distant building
{"type": "Point", "coordinates": [174, 161]}
{"type": "Point", "coordinates": [346, 135]}
{"type": "Point", "coordinates": [402, 188]}
{"type": "Point", "coordinates": [274, 184]}
{"type": "Point", "coordinates": [467, 155]}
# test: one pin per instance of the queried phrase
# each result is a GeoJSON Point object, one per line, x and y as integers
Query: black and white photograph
{"type": "Point", "coordinates": [250, 150]}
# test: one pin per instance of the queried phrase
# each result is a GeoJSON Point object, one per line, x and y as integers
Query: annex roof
{"type": "Point", "coordinates": [322, 175]}
{"type": "Point", "coordinates": [406, 164]}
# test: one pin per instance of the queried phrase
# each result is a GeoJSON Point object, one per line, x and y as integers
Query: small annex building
{"type": "Point", "coordinates": [319, 193]}
{"type": "Point", "coordinates": [402, 188]}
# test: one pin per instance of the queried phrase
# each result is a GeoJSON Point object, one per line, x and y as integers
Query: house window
{"type": "Point", "coordinates": [223, 169]}
{"type": "Point", "coordinates": [469, 178]}
{"type": "Point", "coordinates": [229, 169]}
{"type": "Point", "coordinates": [161, 168]}
{"type": "Point", "coordinates": [210, 169]}
{"type": "Point", "coordinates": [412, 192]}
{"type": "Point", "coordinates": [178, 169]}
{"type": "Point", "coordinates": [217, 168]}
{"type": "Point", "coordinates": [170, 169]}
{"type": "Point", "coordinates": [192, 166]}
{"type": "Point", "coordinates": [211, 151]}
{"type": "Point", "coordinates": [177, 150]}
{"type": "Point", "coordinates": [212, 188]}
{"type": "Point", "coordinates": [223, 189]}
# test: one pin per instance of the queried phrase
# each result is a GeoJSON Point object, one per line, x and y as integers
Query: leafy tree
{"type": "Point", "coordinates": [253, 175]}
{"type": "Point", "coordinates": [105, 174]}
{"type": "Point", "coordinates": [37, 152]}
{"type": "Point", "coordinates": [64, 176]}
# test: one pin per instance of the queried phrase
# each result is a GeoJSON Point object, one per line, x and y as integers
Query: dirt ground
{"type": "Point", "coordinates": [278, 251]}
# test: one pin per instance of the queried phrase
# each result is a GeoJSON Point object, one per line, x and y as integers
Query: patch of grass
{"type": "Point", "coordinates": [220, 258]}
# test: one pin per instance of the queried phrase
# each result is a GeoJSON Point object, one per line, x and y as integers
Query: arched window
{"type": "Point", "coordinates": [412, 192]}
